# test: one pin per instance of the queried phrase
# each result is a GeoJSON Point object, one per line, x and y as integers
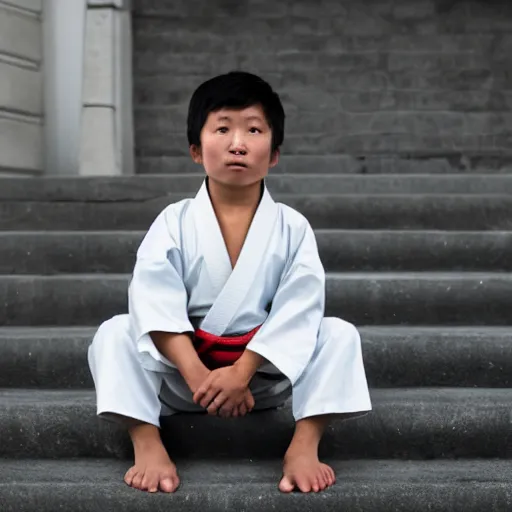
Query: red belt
{"type": "Point", "coordinates": [218, 351]}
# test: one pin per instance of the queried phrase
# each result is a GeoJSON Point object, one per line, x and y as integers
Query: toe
{"type": "Point", "coordinates": [137, 480]}
{"type": "Point", "coordinates": [144, 483]}
{"type": "Point", "coordinates": [304, 485]}
{"type": "Point", "coordinates": [169, 484]}
{"type": "Point", "coordinates": [286, 484]}
{"type": "Point", "coordinates": [150, 483]}
{"type": "Point", "coordinates": [128, 478]}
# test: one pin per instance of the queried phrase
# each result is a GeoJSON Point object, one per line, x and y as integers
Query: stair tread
{"type": "Point", "coordinates": [445, 330]}
{"type": "Point", "coordinates": [362, 486]}
{"type": "Point", "coordinates": [144, 187]}
{"type": "Point", "coordinates": [225, 472]}
{"type": "Point", "coordinates": [374, 274]}
{"type": "Point", "coordinates": [429, 395]}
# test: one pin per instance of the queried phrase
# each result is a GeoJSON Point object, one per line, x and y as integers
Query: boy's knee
{"type": "Point", "coordinates": [114, 332]}
{"type": "Point", "coordinates": [339, 334]}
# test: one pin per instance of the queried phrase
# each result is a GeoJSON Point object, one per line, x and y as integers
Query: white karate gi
{"type": "Point", "coordinates": [183, 280]}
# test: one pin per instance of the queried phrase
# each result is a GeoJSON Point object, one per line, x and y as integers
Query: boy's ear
{"type": "Point", "coordinates": [274, 158]}
{"type": "Point", "coordinates": [195, 153]}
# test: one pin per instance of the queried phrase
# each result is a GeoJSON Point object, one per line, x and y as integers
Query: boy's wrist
{"type": "Point", "coordinates": [248, 364]}
{"type": "Point", "coordinates": [195, 374]}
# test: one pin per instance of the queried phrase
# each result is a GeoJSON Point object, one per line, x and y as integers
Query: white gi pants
{"type": "Point", "coordinates": [334, 381]}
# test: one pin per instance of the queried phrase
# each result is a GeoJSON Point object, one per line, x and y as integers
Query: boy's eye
{"type": "Point", "coordinates": [222, 129]}
{"type": "Point", "coordinates": [253, 129]}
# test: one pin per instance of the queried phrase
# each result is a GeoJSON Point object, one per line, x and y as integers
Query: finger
{"type": "Point", "coordinates": [249, 401]}
{"type": "Point", "coordinates": [235, 412]}
{"type": "Point", "coordinates": [246, 403]}
{"type": "Point", "coordinates": [242, 409]}
{"type": "Point", "coordinates": [209, 397]}
{"type": "Point", "coordinates": [224, 414]}
{"type": "Point", "coordinates": [203, 388]}
{"type": "Point", "coordinates": [216, 404]}
{"type": "Point", "coordinates": [226, 409]}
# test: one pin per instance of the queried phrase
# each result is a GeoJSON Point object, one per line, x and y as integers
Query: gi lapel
{"type": "Point", "coordinates": [211, 241]}
{"type": "Point", "coordinates": [234, 284]}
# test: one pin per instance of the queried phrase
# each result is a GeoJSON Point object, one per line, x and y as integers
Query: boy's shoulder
{"type": "Point", "coordinates": [295, 220]}
{"type": "Point", "coordinates": [175, 211]}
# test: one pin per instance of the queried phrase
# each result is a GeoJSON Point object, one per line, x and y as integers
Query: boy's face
{"type": "Point", "coordinates": [236, 146]}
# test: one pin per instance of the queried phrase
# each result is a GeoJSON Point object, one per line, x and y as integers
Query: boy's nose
{"type": "Point", "coordinates": [237, 142]}
{"type": "Point", "coordinates": [237, 145]}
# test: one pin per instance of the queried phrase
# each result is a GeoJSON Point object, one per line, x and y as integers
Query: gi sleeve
{"type": "Point", "coordinates": [157, 297]}
{"type": "Point", "coordinates": [289, 335]}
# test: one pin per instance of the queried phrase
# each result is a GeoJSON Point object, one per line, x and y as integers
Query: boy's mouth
{"type": "Point", "coordinates": [236, 164]}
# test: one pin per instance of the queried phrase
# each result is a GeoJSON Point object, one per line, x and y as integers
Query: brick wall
{"type": "Point", "coordinates": [373, 86]}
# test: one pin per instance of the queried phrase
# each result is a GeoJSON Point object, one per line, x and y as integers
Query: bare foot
{"type": "Point", "coordinates": [153, 469]}
{"type": "Point", "coordinates": [305, 472]}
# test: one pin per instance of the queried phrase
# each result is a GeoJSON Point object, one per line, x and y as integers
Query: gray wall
{"type": "Point", "coordinates": [385, 85]}
{"type": "Point", "coordinates": [21, 90]}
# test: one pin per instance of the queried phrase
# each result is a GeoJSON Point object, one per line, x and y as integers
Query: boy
{"type": "Point", "coordinates": [226, 303]}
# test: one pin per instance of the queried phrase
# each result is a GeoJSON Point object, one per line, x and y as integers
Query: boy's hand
{"type": "Point", "coordinates": [225, 392]}
{"type": "Point", "coordinates": [246, 406]}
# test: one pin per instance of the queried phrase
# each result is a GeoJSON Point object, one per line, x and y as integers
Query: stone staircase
{"type": "Point", "coordinates": [398, 152]}
{"type": "Point", "coordinates": [426, 276]}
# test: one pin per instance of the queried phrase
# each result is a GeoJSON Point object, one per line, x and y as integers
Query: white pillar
{"type": "Point", "coordinates": [63, 48]}
{"type": "Point", "coordinates": [106, 142]}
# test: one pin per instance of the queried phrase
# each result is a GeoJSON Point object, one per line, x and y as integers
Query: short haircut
{"type": "Point", "coordinates": [237, 90]}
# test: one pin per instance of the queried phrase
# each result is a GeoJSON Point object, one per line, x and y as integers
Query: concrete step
{"type": "Point", "coordinates": [147, 188]}
{"type": "Point", "coordinates": [341, 250]}
{"type": "Point", "coordinates": [395, 356]}
{"type": "Point", "coordinates": [362, 486]}
{"type": "Point", "coordinates": [412, 298]}
{"type": "Point", "coordinates": [444, 212]}
{"type": "Point", "coordinates": [352, 164]}
{"type": "Point", "coordinates": [161, 141]}
{"type": "Point", "coordinates": [405, 423]}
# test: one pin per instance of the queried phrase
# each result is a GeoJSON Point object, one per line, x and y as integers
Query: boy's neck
{"type": "Point", "coordinates": [226, 198]}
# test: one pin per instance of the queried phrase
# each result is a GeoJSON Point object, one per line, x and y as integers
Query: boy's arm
{"type": "Point", "coordinates": [248, 364]}
{"type": "Point", "coordinates": [157, 296]}
{"type": "Point", "coordinates": [288, 336]}
{"type": "Point", "coordinates": [179, 350]}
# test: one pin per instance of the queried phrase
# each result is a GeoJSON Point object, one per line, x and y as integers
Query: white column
{"type": "Point", "coordinates": [63, 48]}
{"type": "Point", "coordinates": [106, 142]}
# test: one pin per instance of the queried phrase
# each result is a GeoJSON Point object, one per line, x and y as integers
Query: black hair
{"type": "Point", "coordinates": [236, 89]}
